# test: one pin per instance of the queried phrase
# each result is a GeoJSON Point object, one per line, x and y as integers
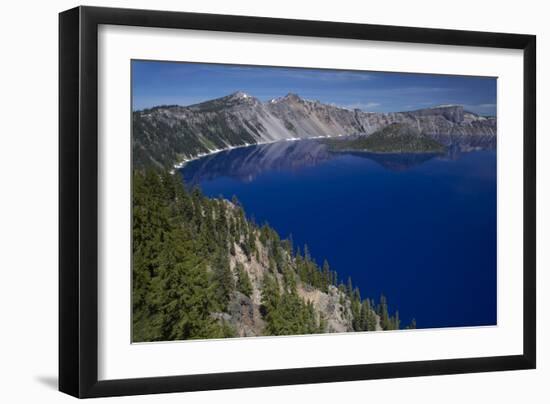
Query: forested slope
{"type": "Point", "coordinates": [202, 269]}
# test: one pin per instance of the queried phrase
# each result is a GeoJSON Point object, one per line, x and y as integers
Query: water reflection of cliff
{"type": "Point", "coordinates": [397, 161]}
{"type": "Point", "coordinates": [247, 163]}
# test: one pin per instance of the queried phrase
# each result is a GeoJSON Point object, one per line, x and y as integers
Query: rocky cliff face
{"type": "Point", "coordinates": [244, 312]}
{"type": "Point", "coordinates": [166, 135]}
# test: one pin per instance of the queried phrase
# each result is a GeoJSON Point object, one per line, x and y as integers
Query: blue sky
{"type": "Point", "coordinates": [162, 83]}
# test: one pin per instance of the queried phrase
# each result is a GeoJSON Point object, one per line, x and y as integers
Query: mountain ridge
{"type": "Point", "coordinates": [164, 136]}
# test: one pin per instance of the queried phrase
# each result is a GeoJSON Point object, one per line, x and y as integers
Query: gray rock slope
{"type": "Point", "coordinates": [167, 135]}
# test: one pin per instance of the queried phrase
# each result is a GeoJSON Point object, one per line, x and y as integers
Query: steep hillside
{"type": "Point", "coordinates": [201, 269]}
{"type": "Point", "coordinates": [167, 135]}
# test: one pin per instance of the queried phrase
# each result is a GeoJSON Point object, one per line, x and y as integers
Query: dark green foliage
{"type": "Point", "coordinates": [286, 313]}
{"type": "Point", "coordinates": [243, 281]}
{"type": "Point", "coordinates": [182, 279]}
{"type": "Point", "coordinates": [248, 243]}
{"type": "Point", "coordinates": [310, 273]}
{"type": "Point", "coordinates": [412, 325]}
{"type": "Point", "coordinates": [322, 323]}
{"type": "Point", "coordinates": [394, 138]}
{"type": "Point", "coordinates": [180, 271]}
{"type": "Point", "coordinates": [150, 149]}
{"type": "Point", "coordinates": [356, 310]}
{"type": "Point", "coordinates": [271, 295]}
{"type": "Point", "coordinates": [159, 140]}
{"type": "Point", "coordinates": [383, 313]}
{"type": "Point", "coordinates": [222, 279]}
{"type": "Point", "coordinates": [349, 287]}
{"type": "Point", "coordinates": [395, 320]}
{"type": "Point", "coordinates": [288, 245]}
{"type": "Point", "coordinates": [367, 317]}
{"type": "Point", "coordinates": [184, 311]}
{"type": "Point", "coordinates": [307, 271]}
{"type": "Point", "coordinates": [327, 276]}
{"type": "Point", "coordinates": [289, 279]}
{"type": "Point", "coordinates": [387, 322]}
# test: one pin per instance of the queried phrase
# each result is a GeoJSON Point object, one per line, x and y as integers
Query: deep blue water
{"type": "Point", "coordinates": [419, 228]}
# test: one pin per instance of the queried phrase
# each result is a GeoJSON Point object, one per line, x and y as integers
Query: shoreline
{"type": "Point", "coordinates": [386, 152]}
{"type": "Point", "coordinates": [183, 162]}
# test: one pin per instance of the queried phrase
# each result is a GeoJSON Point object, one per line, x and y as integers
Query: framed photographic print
{"type": "Point", "coordinates": [251, 201]}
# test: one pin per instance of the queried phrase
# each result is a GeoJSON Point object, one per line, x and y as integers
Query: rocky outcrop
{"type": "Point", "coordinates": [166, 135]}
{"type": "Point", "coordinates": [244, 312]}
{"type": "Point", "coordinates": [334, 306]}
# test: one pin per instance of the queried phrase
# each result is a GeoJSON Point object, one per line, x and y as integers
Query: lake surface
{"type": "Point", "coordinates": [419, 228]}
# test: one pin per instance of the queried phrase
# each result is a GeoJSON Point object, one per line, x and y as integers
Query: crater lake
{"type": "Point", "coordinates": [418, 228]}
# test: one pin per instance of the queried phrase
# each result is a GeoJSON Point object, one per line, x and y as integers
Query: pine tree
{"type": "Point", "coordinates": [150, 228]}
{"type": "Point", "coordinates": [289, 245]}
{"type": "Point", "coordinates": [221, 224]}
{"type": "Point", "coordinates": [183, 296]}
{"type": "Point", "coordinates": [250, 242]}
{"type": "Point", "coordinates": [349, 288]}
{"type": "Point", "coordinates": [244, 285]}
{"type": "Point", "coordinates": [412, 324]}
{"type": "Point", "coordinates": [356, 310]}
{"type": "Point", "coordinates": [289, 279]}
{"type": "Point", "coordinates": [222, 279]}
{"type": "Point", "coordinates": [327, 276]}
{"type": "Point", "coordinates": [364, 316]}
{"type": "Point", "coordinates": [383, 313]}
{"type": "Point", "coordinates": [270, 302]}
{"type": "Point", "coordinates": [370, 324]}
{"type": "Point", "coordinates": [396, 321]}
{"type": "Point", "coordinates": [307, 256]}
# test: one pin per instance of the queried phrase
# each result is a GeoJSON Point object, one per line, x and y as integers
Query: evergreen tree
{"type": "Point", "coordinates": [243, 281]}
{"type": "Point", "coordinates": [270, 298]}
{"type": "Point", "coordinates": [349, 288]}
{"type": "Point", "coordinates": [289, 279]}
{"type": "Point", "coordinates": [222, 279]}
{"type": "Point", "coordinates": [383, 313]}
{"type": "Point", "coordinates": [288, 245]}
{"type": "Point", "coordinates": [185, 301]}
{"type": "Point", "coordinates": [412, 325]}
{"type": "Point", "coordinates": [364, 316]}
{"type": "Point", "coordinates": [150, 228]}
{"type": "Point", "coordinates": [250, 245]}
{"type": "Point", "coordinates": [327, 276]}
{"type": "Point", "coordinates": [370, 324]}
{"type": "Point", "coordinates": [356, 310]}
{"type": "Point", "coordinates": [396, 321]}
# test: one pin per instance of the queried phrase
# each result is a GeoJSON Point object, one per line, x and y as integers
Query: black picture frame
{"type": "Point", "coordinates": [78, 201]}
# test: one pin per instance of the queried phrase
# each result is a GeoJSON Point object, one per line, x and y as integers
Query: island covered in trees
{"type": "Point", "coordinates": [203, 269]}
{"type": "Point", "coordinates": [394, 138]}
